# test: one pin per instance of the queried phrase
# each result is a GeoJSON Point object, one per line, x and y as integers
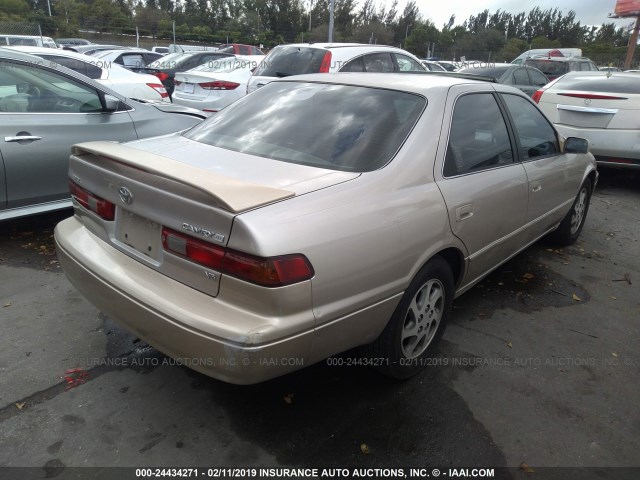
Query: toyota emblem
{"type": "Point", "coordinates": [125, 195]}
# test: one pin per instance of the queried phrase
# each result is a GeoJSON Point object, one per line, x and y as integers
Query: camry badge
{"type": "Point", "coordinates": [125, 195]}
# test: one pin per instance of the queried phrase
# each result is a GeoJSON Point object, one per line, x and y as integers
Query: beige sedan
{"type": "Point", "coordinates": [318, 214]}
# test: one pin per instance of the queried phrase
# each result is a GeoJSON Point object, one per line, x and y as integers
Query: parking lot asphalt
{"type": "Point", "coordinates": [538, 368]}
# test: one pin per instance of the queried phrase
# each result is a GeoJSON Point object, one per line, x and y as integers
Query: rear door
{"type": "Point", "coordinates": [484, 187]}
{"type": "Point", "coordinates": [43, 113]}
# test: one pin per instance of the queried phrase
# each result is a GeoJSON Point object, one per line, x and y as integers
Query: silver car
{"type": "Point", "coordinates": [318, 214]}
{"type": "Point", "coordinates": [44, 109]}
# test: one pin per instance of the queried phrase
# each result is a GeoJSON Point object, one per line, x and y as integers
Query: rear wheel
{"type": "Point", "coordinates": [418, 322]}
{"type": "Point", "coordinates": [571, 226]}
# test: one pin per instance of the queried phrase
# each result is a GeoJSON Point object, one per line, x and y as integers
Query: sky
{"type": "Point", "coordinates": [588, 12]}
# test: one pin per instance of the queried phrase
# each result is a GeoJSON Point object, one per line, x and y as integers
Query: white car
{"type": "Point", "coordinates": [109, 74]}
{"type": "Point", "coordinates": [214, 85]}
{"type": "Point", "coordinates": [603, 107]}
{"type": "Point", "coordinates": [433, 66]}
{"type": "Point", "coordinates": [303, 58]}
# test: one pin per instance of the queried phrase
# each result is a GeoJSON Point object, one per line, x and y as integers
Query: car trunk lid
{"type": "Point", "coordinates": [149, 194]}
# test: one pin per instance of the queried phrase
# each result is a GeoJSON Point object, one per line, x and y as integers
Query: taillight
{"type": "Point", "coordinates": [161, 76]}
{"type": "Point", "coordinates": [326, 62]}
{"type": "Point", "coordinates": [592, 96]}
{"type": "Point", "coordinates": [537, 96]}
{"type": "Point", "coordinates": [264, 271]}
{"type": "Point", "coordinates": [158, 87]}
{"type": "Point", "coordinates": [199, 251]}
{"type": "Point", "coordinates": [105, 209]}
{"type": "Point", "coordinates": [219, 85]}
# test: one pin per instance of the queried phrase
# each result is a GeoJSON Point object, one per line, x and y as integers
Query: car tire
{"type": "Point", "coordinates": [569, 229]}
{"type": "Point", "coordinates": [406, 344]}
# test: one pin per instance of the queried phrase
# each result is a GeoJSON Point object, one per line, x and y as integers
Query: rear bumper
{"type": "Point", "coordinates": [170, 316]}
{"type": "Point", "coordinates": [212, 103]}
{"type": "Point", "coordinates": [624, 144]}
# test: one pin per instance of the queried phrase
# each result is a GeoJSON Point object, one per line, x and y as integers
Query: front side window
{"type": "Point", "coordinates": [478, 139]}
{"type": "Point", "coordinates": [520, 77]}
{"type": "Point", "coordinates": [537, 78]}
{"type": "Point", "coordinates": [337, 127]}
{"type": "Point", "coordinates": [27, 88]}
{"type": "Point", "coordinates": [537, 137]}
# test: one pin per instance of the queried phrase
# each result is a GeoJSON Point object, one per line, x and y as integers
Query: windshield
{"type": "Point", "coordinates": [610, 83]}
{"type": "Point", "coordinates": [168, 61]}
{"type": "Point", "coordinates": [549, 67]}
{"type": "Point", "coordinates": [339, 127]}
{"type": "Point", "coordinates": [495, 72]}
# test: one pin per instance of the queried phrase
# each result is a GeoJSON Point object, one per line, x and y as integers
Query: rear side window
{"type": "Point", "coordinates": [537, 137]}
{"type": "Point", "coordinates": [378, 63]}
{"type": "Point", "coordinates": [77, 65]}
{"type": "Point", "coordinates": [478, 139]}
{"type": "Point", "coordinates": [285, 61]}
{"type": "Point", "coordinates": [408, 64]}
{"type": "Point", "coordinates": [629, 84]}
{"type": "Point", "coordinates": [337, 127]}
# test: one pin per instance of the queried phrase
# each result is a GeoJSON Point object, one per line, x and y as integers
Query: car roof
{"type": "Point", "coordinates": [362, 46]}
{"type": "Point", "coordinates": [414, 82]}
{"type": "Point", "coordinates": [53, 51]}
{"type": "Point", "coordinates": [11, 54]}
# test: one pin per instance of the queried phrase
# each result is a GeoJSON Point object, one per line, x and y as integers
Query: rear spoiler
{"type": "Point", "coordinates": [233, 195]}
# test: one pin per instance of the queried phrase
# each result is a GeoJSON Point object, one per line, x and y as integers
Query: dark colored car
{"type": "Point", "coordinates": [527, 79]}
{"type": "Point", "coordinates": [165, 68]}
{"type": "Point", "coordinates": [554, 67]}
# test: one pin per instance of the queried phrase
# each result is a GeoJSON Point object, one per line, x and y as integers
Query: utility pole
{"type": "Point", "coordinates": [330, 21]}
{"type": "Point", "coordinates": [626, 10]}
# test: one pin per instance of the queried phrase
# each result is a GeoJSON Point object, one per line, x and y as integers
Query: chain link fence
{"type": "Point", "coordinates": [20, 28]}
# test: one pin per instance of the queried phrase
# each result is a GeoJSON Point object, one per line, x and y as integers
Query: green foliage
{"type": "Point", "coordinates": [487, 35]}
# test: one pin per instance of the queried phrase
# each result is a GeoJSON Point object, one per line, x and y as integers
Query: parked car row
{"type": "Point", "coordinates": [204, 221]}
{"type": "Point", "coordinates": [46, 107]}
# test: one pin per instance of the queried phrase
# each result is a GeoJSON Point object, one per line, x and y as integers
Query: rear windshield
{"type": "Point", "coordinates": [338, 127]}
{"type": "Point", "coordinates": [549, 67]}
{"type": "Point", "coordinates": [285, 61]}
{"type": "Point", "coordinates": [495, 72]}
{"type": "Point", "coordinates": [169, 61]}
{"type": "Point", "coordinates": [600, 83]}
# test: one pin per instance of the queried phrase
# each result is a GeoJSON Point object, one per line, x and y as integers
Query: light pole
{"type": "Point", "coordinates": [406, 34]}
{"type": "Point", "coordinates": [331, 21]}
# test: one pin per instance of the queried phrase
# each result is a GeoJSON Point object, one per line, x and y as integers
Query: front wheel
{"type": "Point", "coordinates": [569, 229]}
{"type": "Point", "coordinates": [417, 323]}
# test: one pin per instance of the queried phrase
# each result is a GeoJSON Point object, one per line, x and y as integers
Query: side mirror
{"type": "Point", "coordinates": [576, 145]}
{"type": "Point", "coordinates": [111, 103]}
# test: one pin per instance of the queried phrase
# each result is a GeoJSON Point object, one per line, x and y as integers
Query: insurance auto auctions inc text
{"type": "Point", "coordinates": [374, 472]}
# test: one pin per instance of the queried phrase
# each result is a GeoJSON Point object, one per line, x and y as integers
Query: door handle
{"type": "Point", "coordinates": [464, 212]}
{"type": "Point", "coordinates": [22, 138]}
{"type": "Point", "coordinates": [536, 187]}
